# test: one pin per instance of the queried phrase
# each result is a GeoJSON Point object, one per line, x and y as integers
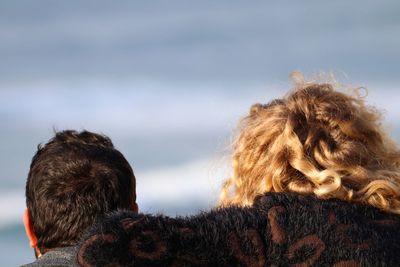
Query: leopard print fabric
{"type": "Point", "coordinates": [281, 229]}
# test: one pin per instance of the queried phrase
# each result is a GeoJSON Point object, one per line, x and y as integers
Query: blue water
{"type": "Point", "coordinates": [168, 82]}
{"type": "Point", "coordinates": [199, 41]}
{"type": "Point", "coordinates": [15, 249]}
{"type": "Point", "coordinates": [151, 148]}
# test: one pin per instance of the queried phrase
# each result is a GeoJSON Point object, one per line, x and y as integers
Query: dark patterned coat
{"type": "Point", "coordinates": [280, 229]}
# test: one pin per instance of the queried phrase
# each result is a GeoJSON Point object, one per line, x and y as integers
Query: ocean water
{"type": "Point", "coordinates": [168, 82]}
{"type": "Point", "coordinates": [180, 156]}
{"type": "Point", "coordinates": [177, 148]}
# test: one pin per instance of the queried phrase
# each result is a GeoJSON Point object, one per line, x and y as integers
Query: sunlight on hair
{"type": "Point", "coordinates": [316, 140]}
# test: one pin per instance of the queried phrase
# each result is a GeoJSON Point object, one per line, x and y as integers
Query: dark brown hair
{"type": "Point", "coordinates": [73, 179]}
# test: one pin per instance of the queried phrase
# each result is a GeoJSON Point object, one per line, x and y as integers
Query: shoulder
{"type": "Point", "coordinates": [334, 231]}
{"type": "Point", "coordinates": [148, 240]}
{"type": "Point", "coordinates": [279, 229]}
{"type": "Point", "coordinates": [60, 257]}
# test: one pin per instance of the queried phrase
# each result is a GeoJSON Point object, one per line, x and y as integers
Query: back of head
{"type": "Point", "coordinates": [319, 141]}
{"type": "Point", "coordinates": [73, 179]}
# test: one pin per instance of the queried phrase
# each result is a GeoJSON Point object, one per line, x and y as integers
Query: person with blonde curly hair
{"type": "Point", "coordinates": [315, 182]}
{"type": "Point", "coordinates": [318, 141]}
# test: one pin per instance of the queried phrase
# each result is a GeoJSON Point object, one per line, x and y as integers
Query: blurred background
{"type": "Point", "coordinates": [168, 82]}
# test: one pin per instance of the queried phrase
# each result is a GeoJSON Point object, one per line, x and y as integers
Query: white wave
{"type": "Point", "coordinates": [12, 205]}
{"type": "Point", "coordinates": [178, 186]}
{"type": "Point", "coordinates": [134, 107]}
{"type": "Point", "coordinates": [143, 108]}
{"type": "Point", "coordinates": [173, 186]}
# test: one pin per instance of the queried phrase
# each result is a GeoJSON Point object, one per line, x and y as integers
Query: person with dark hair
{"type": "Point", "coordinates": [315, 182]}
{"type": "Point", "coordinates": [73, 180]}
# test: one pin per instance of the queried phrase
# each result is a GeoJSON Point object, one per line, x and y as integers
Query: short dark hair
{"type": "Point", "coordinates": [74, 179]}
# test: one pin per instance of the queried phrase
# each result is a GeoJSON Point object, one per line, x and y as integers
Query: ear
{"type": "Point", "coordinates": [135, 208]}
{"type": "Point", "coordinates": [30, 232]}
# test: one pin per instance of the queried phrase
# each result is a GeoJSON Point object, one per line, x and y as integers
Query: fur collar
{"type": "Point", "coordinates": [280, 229]}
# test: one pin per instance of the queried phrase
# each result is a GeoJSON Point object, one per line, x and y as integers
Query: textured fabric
{"type": "Point", "coordinates": [60, 257]}
{"type": "Point", "coordinates": [281, 229]}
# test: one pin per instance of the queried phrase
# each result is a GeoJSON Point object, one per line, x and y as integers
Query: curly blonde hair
{"type": "Point", "coordinates": [318, 141]}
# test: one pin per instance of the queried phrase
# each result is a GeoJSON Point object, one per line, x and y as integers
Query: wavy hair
{"type": "Point", "coordinates": [319, 141]}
